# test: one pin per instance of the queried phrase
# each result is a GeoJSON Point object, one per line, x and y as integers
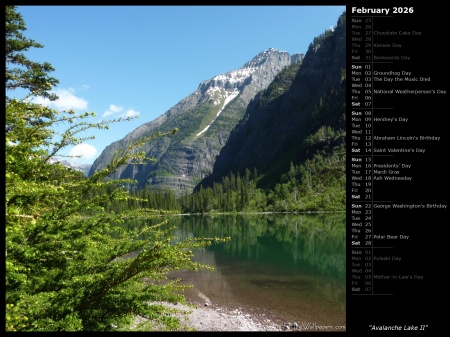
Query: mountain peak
{"type": "Point", "coordinates": [265, 56]}
{"type": "Point", "coordinates": [272, 54]}
{"type": "Point", "coordinates": [204, 119]}
{"type": "Point", "coordinates": [235, 79]}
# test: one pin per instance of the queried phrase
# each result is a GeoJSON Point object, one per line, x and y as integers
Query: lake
{"type": "Point", "coordinates": [288, 267]}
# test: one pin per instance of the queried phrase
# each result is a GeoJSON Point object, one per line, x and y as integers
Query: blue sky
{"type": "Point", "coordinates": [142, 60]}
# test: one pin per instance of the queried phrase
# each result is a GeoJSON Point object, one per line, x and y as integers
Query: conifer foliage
{"type": "Point", "coordinates": [70, 265]}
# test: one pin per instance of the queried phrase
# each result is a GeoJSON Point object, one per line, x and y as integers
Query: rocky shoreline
{"type": "Point", "coordinates": [209, 317]}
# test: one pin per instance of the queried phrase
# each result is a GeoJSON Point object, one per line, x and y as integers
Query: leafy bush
{"type": "Point", "coordinates": [71, 266]}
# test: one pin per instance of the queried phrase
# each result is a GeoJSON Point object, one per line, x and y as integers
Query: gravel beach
{"type": "Point", "coordinates": [209, 317]}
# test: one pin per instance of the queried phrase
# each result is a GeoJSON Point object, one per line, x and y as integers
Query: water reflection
{"type": "Point", "coordinates": [290, 266]}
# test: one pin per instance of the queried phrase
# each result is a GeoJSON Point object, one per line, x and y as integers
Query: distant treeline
{"type": "Point", "coordinates": [316, 185]}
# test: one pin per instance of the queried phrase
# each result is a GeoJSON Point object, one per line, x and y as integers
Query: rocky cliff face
{"type": "Point", "coordinates": [204, 120]}
{"type": "Point", "coordinates": [301, 101]}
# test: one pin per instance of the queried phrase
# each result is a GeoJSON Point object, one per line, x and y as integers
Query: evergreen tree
{"type": "Point", "coordinates": [66, 265]}
{"type": "Point", "coordinates": [20, 71]}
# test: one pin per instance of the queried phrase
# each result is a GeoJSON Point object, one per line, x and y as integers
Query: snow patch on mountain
{"type": "Point", "coordinates": [236, 76]}
{"type": "Point", "coordinates": [78, 167]}
{"type": "Point", "coordinates": [229, 96]}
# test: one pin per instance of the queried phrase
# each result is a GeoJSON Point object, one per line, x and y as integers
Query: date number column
{"type": "Point", "coordinates": [360, 189]}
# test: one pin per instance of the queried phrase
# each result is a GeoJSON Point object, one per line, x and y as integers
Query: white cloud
{"type": "Point", "coordinates": [131, 113]}
{"type": "Point", "coordinates": [113, 110]}
{"type": "Point", "coordinates": [66, 100]}
{"type": "Point", "coordinates": [107, 113]}
{"type": "Point", "coordinates": [118, 111]}
{"type": "Point", "coordinates": [84, 150]}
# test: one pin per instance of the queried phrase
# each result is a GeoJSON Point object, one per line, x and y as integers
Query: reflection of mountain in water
{"type": "Point", "coordinates": [302, 242]}
{"type": "Point", "coordinates": [292, 265]}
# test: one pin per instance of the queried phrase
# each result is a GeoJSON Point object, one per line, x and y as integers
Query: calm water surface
{"type": "Point", "coordinates": [290, 268]}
